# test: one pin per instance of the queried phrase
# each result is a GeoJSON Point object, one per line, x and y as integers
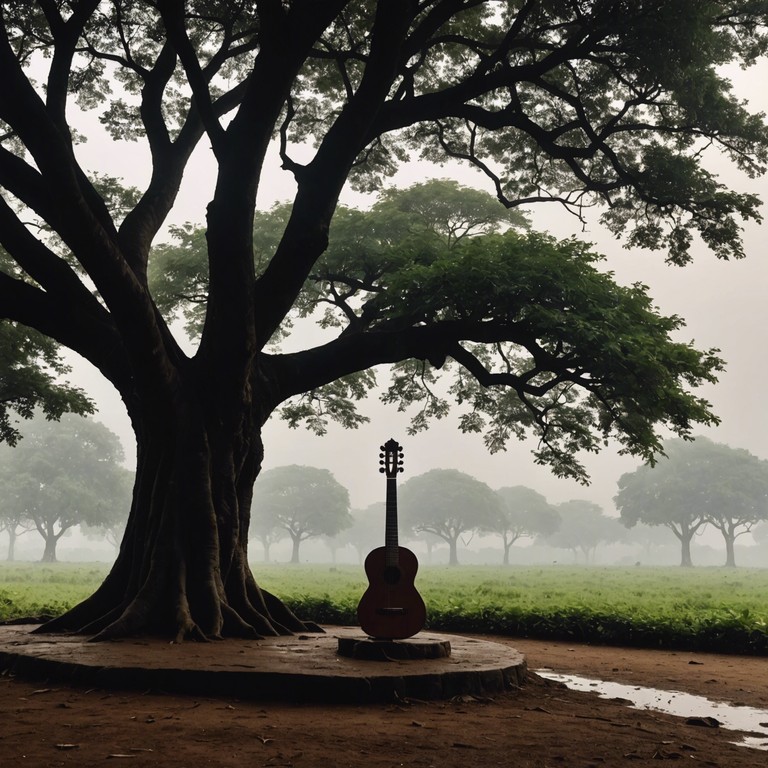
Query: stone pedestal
{"type": "Point", "coordinates": [415, 648]}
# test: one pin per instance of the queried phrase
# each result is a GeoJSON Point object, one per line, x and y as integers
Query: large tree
{"type": "Point", "coordinates": [569, 102]}
{"type": "Point", "coordinates": [63, 474]}
{"type": "Point", "coordinates": [700, 483]}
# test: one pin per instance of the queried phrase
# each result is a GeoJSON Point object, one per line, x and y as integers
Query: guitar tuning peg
{"type": "Point", "coordinates": [381, 469]}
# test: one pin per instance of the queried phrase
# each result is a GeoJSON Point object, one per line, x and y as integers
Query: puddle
{"type": "Point", "coordinates": [747, 719]}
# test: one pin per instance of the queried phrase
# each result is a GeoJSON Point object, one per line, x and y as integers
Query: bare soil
{"type": "Point", "coordinates": [541, 725]}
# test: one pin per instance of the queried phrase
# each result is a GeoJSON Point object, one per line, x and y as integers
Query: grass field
{"type": "Point", "coordinates": [693, 609]}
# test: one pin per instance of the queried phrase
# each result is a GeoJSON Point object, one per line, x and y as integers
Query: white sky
{"type": "Point", "coordinates": [724, 304]}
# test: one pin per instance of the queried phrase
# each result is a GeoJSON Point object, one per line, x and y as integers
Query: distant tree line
{"type": "Point", "coordinates": [698, 483]}
{"type": "Point", "coordinates": [70, 473]}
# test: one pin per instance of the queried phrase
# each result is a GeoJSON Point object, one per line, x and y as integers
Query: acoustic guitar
{"type": "Point", "coordinates": [391, 608]}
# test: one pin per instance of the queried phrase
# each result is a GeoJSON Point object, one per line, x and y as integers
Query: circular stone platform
{"type": "Point", "coordinates": [302, 668]}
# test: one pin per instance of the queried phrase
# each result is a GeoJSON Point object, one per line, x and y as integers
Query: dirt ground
{"type": "Point", "coordinates": [541, 725]}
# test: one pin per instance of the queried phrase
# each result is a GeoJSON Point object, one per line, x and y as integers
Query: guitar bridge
{"type": "Point", "coordinates": [390, 611]}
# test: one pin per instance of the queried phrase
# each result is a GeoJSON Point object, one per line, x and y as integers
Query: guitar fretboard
{"type": "Point", "coordinates": [390, 530]}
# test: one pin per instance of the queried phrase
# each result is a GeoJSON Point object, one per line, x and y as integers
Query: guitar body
{"type": "Point", "coordinates": [391, 608]}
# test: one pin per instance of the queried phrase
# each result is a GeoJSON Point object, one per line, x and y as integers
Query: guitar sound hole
{"type": "Point", "coordinates": [391, 575]}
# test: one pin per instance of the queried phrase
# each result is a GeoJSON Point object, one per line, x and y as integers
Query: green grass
{"type": "Point", "coordinates": [693, 609]}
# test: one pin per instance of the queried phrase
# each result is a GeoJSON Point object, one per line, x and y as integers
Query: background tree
{"type": "Point", "coordinates": [433, 215]}
{"type": "Point", "coordinates": [583, 527]}
{"type": "Point", "coordinates": [64, 474]}
{"type": "Point", "coordinates": [738, 494]}
{"type": "Point", "coordinates": [646, 495]}
{"type": "Point", "coordinates": [524, 512]}
{"type": "Point", "coordinates": [760, 534]}
{"type": "Point", "coordinates": [267, 535]}
{"type": "Point", "coordinates": [303, 501]}
{"type": "Point", "coordinates": [367, 529]}
{"type": "Point", "coordinates": [700, 482]}
{"type": "Point", "coordinates": [650, 538]}
{"type": "Point", "coordinates": [13, 521]}
{"type": "Point", "coordinates": [447, 503]}
{"type": "Point", "coordinates": [581, 103]}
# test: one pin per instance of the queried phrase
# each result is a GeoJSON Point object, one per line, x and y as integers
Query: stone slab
{"type": "Point", "coordinates": [301, 668]}
{"type": "Point", "coordinates": [409, 649]}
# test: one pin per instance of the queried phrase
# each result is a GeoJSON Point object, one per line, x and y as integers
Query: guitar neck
{"type": "Point", "coordinates": [390, 530]}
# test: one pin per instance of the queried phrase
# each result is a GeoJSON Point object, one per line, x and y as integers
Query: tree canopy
{"type": "Point", "coordinates": [699, 483]}
{"type": "Point", "coordinates": [572, 103]}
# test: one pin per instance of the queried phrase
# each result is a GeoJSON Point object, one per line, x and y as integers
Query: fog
{"type": "Point", "coordinates": [723, 303]}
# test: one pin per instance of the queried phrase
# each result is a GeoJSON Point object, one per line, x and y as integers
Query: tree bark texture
{"type": "Point", "coordinates": [182, 570]}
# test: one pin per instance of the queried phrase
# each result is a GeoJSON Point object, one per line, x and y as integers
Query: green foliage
{"type": "Point", "coordinates": [62, 474]}
{"type": "Point", "coordinates": [711, 609]}
{"type": "Point", "coordinates": [706, 610]}
{"type": "Point", "coordinates": [35, 590]}
{"type": "Point", "coordinates": [30, 378]}
{"type": "Point", "coordinates": [553, 345]}
{"type": "Point", "coordinates": [524, 512]}
{"type": "Point", "coordinates": [602, 361]}
{"type": "Point", "coordinates": [697, 483]}
{"type": "Point", "coordinates": [699, 479]}
{"type": "Point", "coordinates": [583, 526]}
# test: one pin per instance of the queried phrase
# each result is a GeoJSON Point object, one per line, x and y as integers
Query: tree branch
{"type": "Point", "coordinates": [90, 334]}
{"type": "Point", "coordinates": [320, 184]}
{"type": "Point", "coordinates": [303, 371]}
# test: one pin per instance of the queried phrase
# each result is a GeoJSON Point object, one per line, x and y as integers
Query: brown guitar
{"type": "Point", "coordinates": [391, 608]}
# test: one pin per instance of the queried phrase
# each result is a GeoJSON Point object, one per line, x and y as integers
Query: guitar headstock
{"type": "Point", "coordinates": [391, 459]}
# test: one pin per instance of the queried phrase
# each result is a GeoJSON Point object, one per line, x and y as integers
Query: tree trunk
{"type": "Point", "coordinates": [453, 558]}
{"type": "Point", "coordinates": [295, 550]}
{"type": "Point", "coordinates": [730, 550]}
{"type": "Point", "coordinates": [182, 570]}
{"type": "Point", "coordinates": [685, 559]}
{"type": "Point", "coordinates": [11, 543]}
{"type": "Point", "coordinates": [49, 553]}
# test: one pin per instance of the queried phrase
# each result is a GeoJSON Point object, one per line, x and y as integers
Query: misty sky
{"type": "Point", "coordinates": [723, 303]}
